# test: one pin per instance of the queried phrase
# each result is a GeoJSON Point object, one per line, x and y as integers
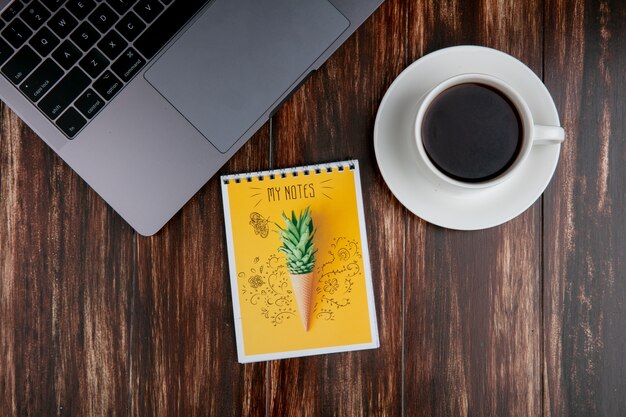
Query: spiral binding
{"type": "Point", "coordinates": [283, 173]}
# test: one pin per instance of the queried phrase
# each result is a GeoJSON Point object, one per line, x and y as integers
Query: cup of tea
{"type": "Point", "coordinates": [475, 131]}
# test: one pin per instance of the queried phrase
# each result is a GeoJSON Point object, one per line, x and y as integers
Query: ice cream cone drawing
{"type": "Point", "coordinates": [297, 245]}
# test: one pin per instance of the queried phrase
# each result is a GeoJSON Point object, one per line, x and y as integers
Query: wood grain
{"type": "Point", "coordinates": [473, 299]}
{"type": "Point", "coordinates": [65, 265]}
{"type": "Point", "coordinates": [331, 118]}
{"type": "Point", "coordinates": [183, 354]}
{"type": "Point", "coordinates": [585, 291]}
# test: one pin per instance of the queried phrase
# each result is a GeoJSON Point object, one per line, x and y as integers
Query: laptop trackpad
{"type": "Point", "coordinates": [239, 58]}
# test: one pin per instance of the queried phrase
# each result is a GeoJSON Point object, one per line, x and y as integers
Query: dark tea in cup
{"type": "Point", "coordinates": [475, 131]}
{"type": "Point", "coordinates": [472, 132]}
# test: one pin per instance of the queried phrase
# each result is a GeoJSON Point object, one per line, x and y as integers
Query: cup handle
{"type": "Point", "coordinates": [548, 135]}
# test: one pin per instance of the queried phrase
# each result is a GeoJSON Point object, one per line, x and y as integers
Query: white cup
{"type": "Point", "coordinates": [533, 134]}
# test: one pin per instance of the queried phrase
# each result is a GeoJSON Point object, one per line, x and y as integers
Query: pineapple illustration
{"type": "Point", "coordinates": [297, 245]}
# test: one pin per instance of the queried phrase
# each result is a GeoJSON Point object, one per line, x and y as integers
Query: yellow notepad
{"type": "Point", "coordinates": [268, 316]}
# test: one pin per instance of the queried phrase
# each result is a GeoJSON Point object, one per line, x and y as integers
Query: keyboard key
{"type": "Point", "coordinates": [53, 4]}
{"type": "Point", "coordinates": [66, 91]}
{"type": "Point", "coordinates": [5, 51]}
{"type": "Point", "coordinates": [130, 26]}
{"type": "Point", "coordinates": [121, 6]}
{"type": "Point", "coordinates": [112, 44]}
{"type": "Point", "coordinates": [89, 104]}
{"type": "Point", "coordinates": [148, 10]}
{"type": "Point", "coordinates": [80, 8]}
{"type": "Point", "coordinates": [44, 41]}
{"type": "Point", "coordinates": [71, 122]}
{"type": "Point", "coordinates": [67, 54]}
{"type": "Point", "coordinates": [22, 63]}
{"type": "Point", "coordinates": [128, 64]}
{"type": "Point", "coordinates": [108, 85]}
{"type": "Point", "coordinates": [35, 15]}
{"type": "Point", "coordinates": [94, 63]}
{"type": "Point", "coordinates": [166, 26]}
{"type": "Point", "coordinates": [62, 23]}
{"type": "Point", "coordinates": [12, 11]}
{"type": "Point", "coordinates": [16, 33]}
{"type": "Point", "coordinates": [85, 36]}
{"type": "Point", "coordinates": [41, 80]}
{"type": "Point", "coordinates": [166, 2]}
{"type": "Point", "coordinates": [103, 18]}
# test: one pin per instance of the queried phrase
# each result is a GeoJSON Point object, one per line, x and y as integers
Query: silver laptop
{"type": "Point", "coordinates": [147, 99]}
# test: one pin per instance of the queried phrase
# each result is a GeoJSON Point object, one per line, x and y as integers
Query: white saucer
{"type": "Point", "coordinates": [438, 203]}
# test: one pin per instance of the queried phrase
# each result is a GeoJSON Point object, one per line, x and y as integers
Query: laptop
{"type": "Point", "coordinates": [147, 99]}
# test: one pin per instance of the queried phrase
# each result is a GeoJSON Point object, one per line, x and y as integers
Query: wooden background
{"type": "Point", "coordinates": [526, 319]}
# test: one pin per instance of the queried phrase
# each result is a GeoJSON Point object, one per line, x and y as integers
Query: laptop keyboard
{"type": "Point", "coordinates": [72, 57]}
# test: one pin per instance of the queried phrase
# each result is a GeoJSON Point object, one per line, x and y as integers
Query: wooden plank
{"type": "Point", "coordinates": [65, 275]}
{"type": "Point", "coordinates": [584, 292]}
{"type": "Point", "coordinates": [183, 354]}
{"type": "Point", "coordinates": [331, 118]}
{"type": "Point", "coordinates": [473, 299]}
